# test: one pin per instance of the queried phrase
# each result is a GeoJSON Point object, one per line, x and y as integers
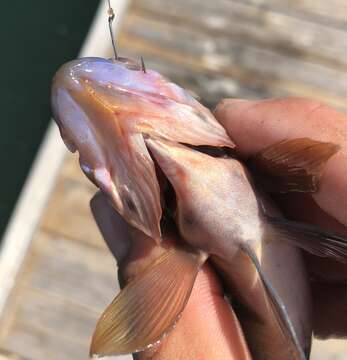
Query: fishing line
{"type": "Point", "coordinates": [110, 13]}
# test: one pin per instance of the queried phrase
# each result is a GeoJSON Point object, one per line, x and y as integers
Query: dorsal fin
{"type": "Point", "coordinates": [293, 165]}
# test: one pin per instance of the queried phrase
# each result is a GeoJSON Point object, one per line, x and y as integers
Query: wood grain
{"type": "Point", "coordinates": [257, 23]}
{"type": "Point", "coordinates": [273, 85]}
{"type": "Point", "coordinates": [63, 289]}
{"type": "Point", "coordinates": [81, 273]}
{"type": "Point", "coordinates": [68, 212]}
{"type": "Point", "coordinates": [332, 12]}
{"type": "Point", "coordinates": [71, 170]}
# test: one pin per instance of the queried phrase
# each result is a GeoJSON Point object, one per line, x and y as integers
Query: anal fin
{"type": "Point", "coordinates": [148, 307]}
{"type": "Point", "coordinates": [293, 165]}
{"type": "Point", "coordinates": [278, 308]}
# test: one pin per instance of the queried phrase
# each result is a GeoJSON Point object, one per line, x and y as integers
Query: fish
{"type": "Point", "coordinates": [168, 167]}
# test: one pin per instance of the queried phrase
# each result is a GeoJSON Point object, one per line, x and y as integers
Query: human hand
{"type": "Point", "coordinates": [254, 125]}
{"type": "Point", "coordinates": [208, 328]}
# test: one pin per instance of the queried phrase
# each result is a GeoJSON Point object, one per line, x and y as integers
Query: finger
{"type": "Point", "coordinates": [112, 227]}
{"type": "Point", "coordinates": [253, 125]}
{"type": "Point", "coordinates": [132, 249]}
{"type": "Point", "coordinates": [208, 328]}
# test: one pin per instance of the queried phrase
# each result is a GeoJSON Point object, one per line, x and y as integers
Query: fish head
{"type": "Point", "coordinates": [105, 109]}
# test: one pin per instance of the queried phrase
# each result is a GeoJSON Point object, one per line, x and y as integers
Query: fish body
{"type": "Point", "coordinates": [220, 210]}
{"type": "Point", "coordinates": [140, 137]}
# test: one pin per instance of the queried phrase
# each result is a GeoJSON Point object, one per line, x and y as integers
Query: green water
{"type": "Point", "coordinates": [35, 38]}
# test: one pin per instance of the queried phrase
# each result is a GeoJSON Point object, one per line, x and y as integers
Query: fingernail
{"type": "Point", "coordinates": [226, 103]}
{"type": "Point", "coordinates": [229, 109]}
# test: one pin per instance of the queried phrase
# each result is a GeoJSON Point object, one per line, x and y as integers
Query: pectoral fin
{"type": "Point", "coordinates": [293, 165]}
{"type": "Point", "coordinates": [311, 238]}
{"type": "Point", "coordinates": [278, 308]}
{"type": "Point", "coordinates": [149, 306]}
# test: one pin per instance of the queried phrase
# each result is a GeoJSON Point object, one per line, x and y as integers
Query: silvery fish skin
{"type": "Point", "coordinates": [125, 124]}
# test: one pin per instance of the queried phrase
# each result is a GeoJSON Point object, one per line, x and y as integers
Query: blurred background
{"type": "Point", "coordinates": [56, 275]}
{"type": "Point", "coordinates": [36, 38]}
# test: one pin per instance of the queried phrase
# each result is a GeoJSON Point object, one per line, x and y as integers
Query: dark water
{"type": "Point", "coordinates": [35, 38]}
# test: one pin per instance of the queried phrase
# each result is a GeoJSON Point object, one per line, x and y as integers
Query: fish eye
{"type": "Point", "coordinates": [188, 220]}
{"type": "Point", "coordinates": [130, 204]}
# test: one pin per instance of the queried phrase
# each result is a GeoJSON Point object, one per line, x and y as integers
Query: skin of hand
{"type": "Point", "coordinates": [208, 327]}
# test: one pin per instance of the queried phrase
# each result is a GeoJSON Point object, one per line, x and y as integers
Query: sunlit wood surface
{"type": "Point", "coordinates": [220, 48]}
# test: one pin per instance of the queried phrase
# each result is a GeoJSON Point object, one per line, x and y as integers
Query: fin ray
{"type": "Point", "coordinates": [293, 165]}
{"type": "Point", "coordinates": [311, 238]}
{"type": "Point", "coordinates": [149, 306]}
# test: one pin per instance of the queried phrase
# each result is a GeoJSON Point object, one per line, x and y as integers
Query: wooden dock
{"type": "Point", "coordinates": [220, 48]}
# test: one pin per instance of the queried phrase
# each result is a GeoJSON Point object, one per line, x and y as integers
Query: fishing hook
{"type": "Point", "coordinates": [143, 65]}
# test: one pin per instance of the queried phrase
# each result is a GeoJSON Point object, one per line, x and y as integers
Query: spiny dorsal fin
{"type": "Point", "coordinates": [149, 306]}
{"type": "Point", "coordinates": [293, 165]}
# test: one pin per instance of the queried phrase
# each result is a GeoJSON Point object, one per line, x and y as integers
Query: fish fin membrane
{"type": "Point", "coordinates": [293, 165]}
{"type": "Point", "coordinates": [277, 307]}
{"type": "Point", "coordinates": [311, 238]}
{"type": "Point", "coordinates": [148, 307]}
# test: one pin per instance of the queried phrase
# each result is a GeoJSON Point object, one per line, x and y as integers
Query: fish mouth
{"type": "Point", "coordinates": [105, 109]}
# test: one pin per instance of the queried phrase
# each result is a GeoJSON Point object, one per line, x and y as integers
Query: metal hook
{"type": "Point", "coordinates": [143, 65]}
{"type": "Point", "coordinates": [110, 13]}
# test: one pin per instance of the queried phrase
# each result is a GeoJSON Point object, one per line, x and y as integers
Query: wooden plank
{"type": "Point", "coordinates": [223, 53]}
{"type": "Point", "coordinates": [65, 285]}
{"type": "Point", "coordinates": [41, 345]}
{"type": "Point", "coordinates": [250, 66]}
{"type": "Point", "coordinates": [68, 212]}
{"type": "Point", "coordinates": [330, 349]}
{"type": "Point", "coordinates": [51, 327]}
{"type": "Point", "coordinates": [73, 270]}
{"type": "Point", "coordinates": [7, 355]}
{"type": "Point", "coordinates": [332, 12]}
{"type": "Point", "coordinates": [210, 87]}
{"type": "Point", "coordinates": [257, 25]}
{"type": "Point", "coordinates": [45, 322]}
{"type": "Point", "coordinates": [71, 170]}
{"type": "Point", "coordinates": [44, 311]}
